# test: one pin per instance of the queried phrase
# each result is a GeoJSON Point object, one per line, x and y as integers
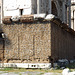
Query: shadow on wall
{"type": "Point", "coordinates": [3, 40]}
{"type": "Point", "coordinates": [54, 9]}
{"type": "Point", "coordinates": [3, 37]}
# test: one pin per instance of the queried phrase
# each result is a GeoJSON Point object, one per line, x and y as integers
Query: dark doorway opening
{"type": "Point", "coordinates": [21, 11]}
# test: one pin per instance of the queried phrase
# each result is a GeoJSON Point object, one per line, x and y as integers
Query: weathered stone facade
{"type": "Point", "coordinates": [62, 43]}
{"type": "Point", "coordinates": [38, 42]}
{"type": "Point", "coordinates": [28, 42]}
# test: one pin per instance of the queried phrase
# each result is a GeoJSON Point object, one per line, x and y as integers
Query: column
{"type": "Point", "coordinates": [38, 6]}
{"type": "Point", "coordinates": [69, 13]}
{"type": "Point", "coordinates": [2, 10]}
{"type": "Point", "coordinates": [49, 6]}
{"type": "Point", "coordinates": [63, 12]}
{"type": "Point", "coordinates": [74, 20]}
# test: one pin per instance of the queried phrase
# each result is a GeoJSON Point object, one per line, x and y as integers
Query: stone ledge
{"type": "Point", "coordinates": [26, 65]}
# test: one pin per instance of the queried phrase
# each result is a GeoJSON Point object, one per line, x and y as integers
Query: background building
{"type": "Point", "coordinates": [0, 11]}
{"type": "Point", "coordinates": [73, 14]}
{"type": "Point", "coordinates": [59, 8]}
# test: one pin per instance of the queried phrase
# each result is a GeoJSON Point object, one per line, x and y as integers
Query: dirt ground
{"type": "Point", "coordinates": [27, 73]}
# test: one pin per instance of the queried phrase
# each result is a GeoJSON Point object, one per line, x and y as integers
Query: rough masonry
{"type": "Point", "coordinates": [37, 42]}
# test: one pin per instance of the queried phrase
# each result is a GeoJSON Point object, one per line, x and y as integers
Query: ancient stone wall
{"type": "Point", "coordinates": [27, 42]}
{"type": "Point", "coordinates": [38, 42]}
{"type": "Point", "coordinates": [62, 43]}
{"type": "Point", "coordinates": [1, 49]}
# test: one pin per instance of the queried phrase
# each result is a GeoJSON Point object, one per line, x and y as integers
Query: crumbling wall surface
{"type": "Point", "coordinates": [1, 49]}
{"type": "Point", "coordinates": [27, 42]}
{"type": "Point", "coordinates": [38, 42]}
{"type": "Point", "coordinates": [62, 43]}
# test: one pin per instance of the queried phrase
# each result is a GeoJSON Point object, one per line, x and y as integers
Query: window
{"type": "Point", "coordinates": [21, 11]}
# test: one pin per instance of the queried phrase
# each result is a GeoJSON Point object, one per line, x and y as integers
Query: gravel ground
{"type": "Point", "coordinates": [27, 73]}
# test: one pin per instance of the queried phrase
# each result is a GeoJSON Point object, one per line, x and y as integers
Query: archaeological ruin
{"type": "Point", "coordinates": [37, 33]}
